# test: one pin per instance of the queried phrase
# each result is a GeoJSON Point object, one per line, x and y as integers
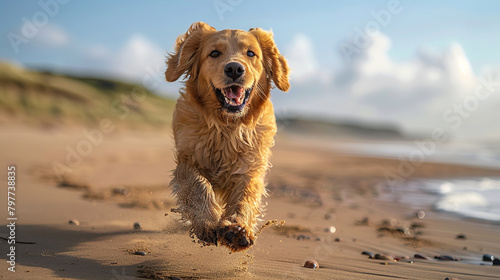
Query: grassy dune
{"type": "Point", "coordinates": [52, 99]}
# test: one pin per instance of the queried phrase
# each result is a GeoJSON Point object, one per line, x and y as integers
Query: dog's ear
{"type": "Point", "coordinates": [274, 63]}
{"type": "Point", "coordinates": [185, 59]}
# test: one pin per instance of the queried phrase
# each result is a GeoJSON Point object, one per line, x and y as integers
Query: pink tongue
{"type": "Point", "coordinates": [234, 92]}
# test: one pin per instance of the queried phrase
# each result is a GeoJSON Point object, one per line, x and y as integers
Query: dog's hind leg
{"type": "Point", "coordinates": [197, 203]}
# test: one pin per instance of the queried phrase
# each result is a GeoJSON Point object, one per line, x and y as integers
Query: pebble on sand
{"type": "Point", "coordinates": [137, 226]}
{"type": "Point", "coordinates": [303, 237]}
{"type": "Point", "coordinates": [446, 258]}
{"type": "Point", "coordinates": [372, 255]}
{"type": "Point", "coordinates": [461, 236]}
{"type": "Point", "coordinates": [488, 258]}
{"type": "Point", "coordinates": [421, 257]}
{"type": "Point", "coordinates": [74, 222]}
{"type": "Point", "coordinates": [140, 253]}
{"type": "Point", "coordinates": [496, 262]}
{"type": "Point", "coordinates": [311, 264]}
{"type": "Point", "coordinates": [330, 217]}
{"type": "Point", "coordinates": [331, 229]}
{"type": "Point", "coordinates": [398, 258]}
{"type": "Point", "coordinates": [121, 191]}
{"type": "Point", "coordinates": [448, 278]}
{"type": "Point", "coordinates": [420, 214]}
{"type": "Point", "coordinates": [383, 257]}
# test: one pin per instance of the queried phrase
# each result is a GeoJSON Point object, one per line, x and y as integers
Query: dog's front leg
{"type": "Point", "coordinates": [240, 218]}
{"type": "Point", "coordinates": [196, 200]}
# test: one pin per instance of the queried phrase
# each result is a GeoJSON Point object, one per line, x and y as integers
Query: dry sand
{"type": "Point", "coordinates": [125, 180]}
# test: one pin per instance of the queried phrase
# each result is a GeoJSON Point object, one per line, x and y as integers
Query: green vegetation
{"type": "Point", "coordinates": [52, 99]}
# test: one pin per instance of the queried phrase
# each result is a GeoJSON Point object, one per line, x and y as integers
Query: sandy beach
{"type": "Point", "coordinates": [331, 203]}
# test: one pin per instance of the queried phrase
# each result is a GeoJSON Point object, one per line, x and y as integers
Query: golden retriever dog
{"type": "Point", "coordinates": [224, 127]}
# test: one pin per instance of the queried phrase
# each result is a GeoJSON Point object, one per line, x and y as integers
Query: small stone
{"type": "Point", "coordinates": [488, 258]}
{"type": "Point", "coordinates": [311, 264]}
{"type": "Point", "coordinates": [331, 229]}
{"type": "Point", "coordinates": [303, 237]}
{"type": "Point", "coordinates": [140, 253]}
{"type": "Point", "coordinates": [338, 239]}
{"type": "Point", "coordinates": [446, 258]}
{"type": "Point", "coordinates": [421, 257]}
{"type": "Point", "coordinates": [330, 217]}
{"type": "Point", "coordinates": [174, 278]}
{"type": "Point", "coordinates": [410, 261]}
{"type": "Point", "coordinates": [448, 278]}
{"type": "Point", "coordinates": [384, 257]}
{"type": "Point", "coordinates": [461, 236]}
{"type": "Point", "coordinates": [121, 191]}
{"type": "Point", "coordinates": [496, 262]}
{"type": "Point", "coordinates": [74, 222]}
{"type": "Point", "coordinates": [420, 214]}
{"type": "Point", "coordinates": [137, 226]}
{"type": "Point", "coordinates": [368, 254]}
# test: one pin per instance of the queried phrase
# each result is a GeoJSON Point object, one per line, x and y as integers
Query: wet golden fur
{"type": "Point", "coordinates": [222, 157]}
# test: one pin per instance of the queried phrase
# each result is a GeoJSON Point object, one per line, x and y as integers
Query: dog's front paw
{"type": "Point", "coordinates": [235, 236]}
{"type": "Point", "coordinates": [206, 234]}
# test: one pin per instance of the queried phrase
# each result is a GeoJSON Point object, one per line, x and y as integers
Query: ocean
{"type": "Point", "coordinates": [477, 198]}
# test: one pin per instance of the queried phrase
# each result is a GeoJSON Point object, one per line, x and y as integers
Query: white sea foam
{"type": "Point", "coordinates": [474, 198]}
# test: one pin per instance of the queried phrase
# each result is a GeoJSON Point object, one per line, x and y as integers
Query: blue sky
{"type": "Point", "coordinates": [433, 24]}
{"type": "Point", "coordinates": [419, 48]}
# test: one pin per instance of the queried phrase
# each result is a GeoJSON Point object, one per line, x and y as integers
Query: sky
{"type": "Point", "coordinates": [422, 65]}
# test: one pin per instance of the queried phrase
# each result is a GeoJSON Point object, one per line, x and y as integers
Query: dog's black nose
{"type": "Point", "coordinates": [234, 70]}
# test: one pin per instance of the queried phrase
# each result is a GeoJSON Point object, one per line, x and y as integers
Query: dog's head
{"type": "Point", "coordinates": [228, 70]}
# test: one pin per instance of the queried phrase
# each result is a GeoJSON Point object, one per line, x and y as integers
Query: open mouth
{"type": "Point", "coordinates": [233, 98]}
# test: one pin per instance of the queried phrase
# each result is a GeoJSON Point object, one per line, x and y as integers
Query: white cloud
{"type": "Point", "coordinates": [138, 58]}
{"type": "Point", "coordinates": [374, 87]}
{"type": "Point", "coordinates": [300, 56]}
{"type": "Point", "coordinates": [52, 36]}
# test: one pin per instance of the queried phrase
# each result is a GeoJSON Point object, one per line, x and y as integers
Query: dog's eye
{"type": "Point", "coordinates": [214, 53]}
{"type": "Point", "coordinates": [250, 53]}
